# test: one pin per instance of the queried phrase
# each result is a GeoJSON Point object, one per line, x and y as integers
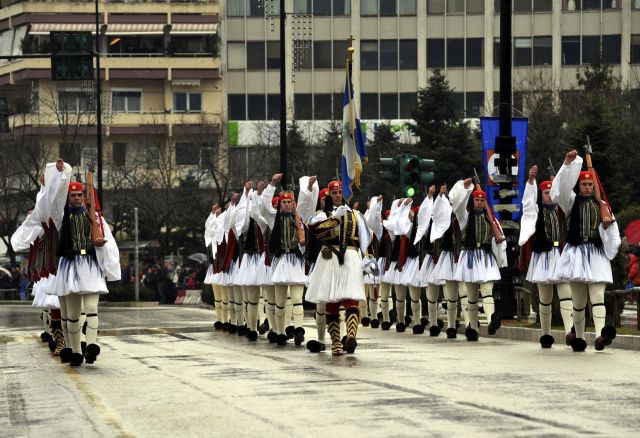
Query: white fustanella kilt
{"type": "Point", "coordinates": [288, 269]}
{"type": "Point", "coordinates": [543, 267]}
{"type": "Point", "coordinates": [477, 266]}
{"type": "Point", "coordinates": [332, 282]}
{"type": "Point", "coordinates": [79, 275]}
{"type": "Point", "coordinates": [584, 263]}
{"type": "Point", "coordinates": [445, 269]}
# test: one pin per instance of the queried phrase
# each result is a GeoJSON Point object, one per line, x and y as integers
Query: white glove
{"type": "Point", "coordinates": [341, 211]}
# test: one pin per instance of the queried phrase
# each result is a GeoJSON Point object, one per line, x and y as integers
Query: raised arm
{"type": "Point", "coordinates": [459, 197]}
{"type": "Point", "coordinates": [529, 208]}
{"type": "Point", "coordinates": [307, 197]}
{"type": "Point", "coordinates": [562, 186]}
{"type": "Point", "coordinates": [373, 216]}
{"type": "Point", "coordinates": [442, 210]}
{"type": "Point", "coordinates": [425, 213]}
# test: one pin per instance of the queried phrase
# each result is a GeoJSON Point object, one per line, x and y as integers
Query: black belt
{"type": "Point", "coordinates": [81, 252]}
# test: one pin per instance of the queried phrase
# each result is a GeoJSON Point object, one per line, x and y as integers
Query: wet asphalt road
{"type": "Point", "coordinates": [178, 378]}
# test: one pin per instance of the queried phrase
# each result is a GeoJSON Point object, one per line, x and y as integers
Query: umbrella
{"type": "Point", "coordinates": [199, 258]}
{"type": "Point", "coordinates": [4, 271]}
{"type": "Point", "coordinates": [632, 232]}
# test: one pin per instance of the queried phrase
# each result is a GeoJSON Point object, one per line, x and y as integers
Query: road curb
{"type": "Point", "coordinates": [128, 304]}
{"type": "Point", "coordinates": [625, 342]}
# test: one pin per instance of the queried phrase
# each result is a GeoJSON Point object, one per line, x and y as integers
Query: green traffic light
{"type": "Point", "coordinates": [410, 192]}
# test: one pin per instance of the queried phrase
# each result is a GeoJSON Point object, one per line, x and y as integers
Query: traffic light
{"type": "Point", "coordinates": [389, 169]}
{"type": "Point", "coordinates": [427, 171]}
{"type": "Point", "coordinates": [71, 56]}
{"type": "Point", "coordinates": [415, 173]}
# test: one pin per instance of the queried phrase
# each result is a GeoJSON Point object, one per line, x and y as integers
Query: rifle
{"type": "Point", "coordinates": [552, 170]}
{"type": "Point", "coordinates": [605, 208]}
{"type": "Point", "coordinates": [96, 228]}
{"type": "Point", "coordinates": [496, 228]}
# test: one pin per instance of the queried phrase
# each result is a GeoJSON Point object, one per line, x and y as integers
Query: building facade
{"type": "Point", "coordinates": [160, 70]}
{"type": "Point", "coordinates": [398, 43]}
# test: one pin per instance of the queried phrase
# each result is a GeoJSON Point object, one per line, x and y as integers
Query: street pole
{"type": "Point", "coordinates": [98, 107]}
{"type": "Point", "coordinates": [283, 95]}
{"type": "Point", "coordinates": [137, 254]}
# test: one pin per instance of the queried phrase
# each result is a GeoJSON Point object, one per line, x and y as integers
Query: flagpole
{"type": "Point", "coordinates": [352, 121]}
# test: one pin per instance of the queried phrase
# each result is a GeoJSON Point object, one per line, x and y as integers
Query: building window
{"type": "Point", "coordinates": [237, 107]}
{"type": "Point", "coordinates": [590, 48]}
{"type": "Point", "coordinates": [369, 105]}
{"type": "Point", "coordinates": [611, 49]}
{"type": "Point", "coordinates": [126, 101]}
{"type": "Point", "coordinates": [273, 106]}
{"type": "Point", "coordinates": [387, 7]}
{"type": "Point", "coordinates": [408, 54]}
{"type": "Point", "coordinates": [236, 56]}
{"type": "Point", "coordinates": [635, 4]}
{"type": "Point", "coordinates": [187, 154]}
{"type": "Point", "coordinates": [340, 54]}
{"type": "Point", "coordinates": [389, 106]}
{"type": "Point", "coordinates": [407, 7]}
{"type": "Point", "coordinates": [256, 8]}
{"type": "Point", "coordinates": [455, 6]}
{"type": "Point", "coordinates": [321, 7]}
{"type": "Point", "coordinates": [337, 105]}
{"type": "Point", "coordinates": [70, 153]}
{"type": "Point", "coordinates": [521, 6]}
{"type": "Point", "coordinates": [475, 7]}
{"type": "Point", "coordinates": [408, 102]}
{"type": "Point", "coordinates": [74, 102]}
{"type": "Point", "coordinates": [322, 107]}
{"type": "Point", "coordinates": [235, 8]}
{"type": "Point", "coordinates": [435, 6]}
{"type": "Point", "coordinates": [256, 107]}
{"type": "Point", "coordinates": [273, 54]}
{"type": "Point", "coordinates": [322, 54]}
{"type": "Point", "coordinates": [187, 102]}
{"type": "Point", "coordinates": [475, 52]}
{"type": "Point", "coordinates": [118, 154]}
{"type": "Point", "coordinates": [522, 52]}
{"type": "Point", "coordinates": [496, 52]}
{"type": "Point", "coordinates": [368, 7]}
{"type": "Point", "coordinates": [542, 50]}
{"type": "Point", "coordinates": [635, 47]}
{"type": "Point", "coordinates": [542, 5]}
{"type": "Point", "coordinates": [255, 55]}
{"type": "Point", "coordinates": [388, 54]}
{"type": "Point", "coordinates": [369, 55]}
{"type": "Point", "coordinates": [458, 100]}
{"type": "Point", "coordinates": [303, 106]}
{"type": "Point", "coordinates": [435, 53]}
{"type": "Point", "coordinates": [475, 103]}
{"type": "Point", "coordinates": [455, 52]}
{"type": "Point", "coordinates": [570, 50]}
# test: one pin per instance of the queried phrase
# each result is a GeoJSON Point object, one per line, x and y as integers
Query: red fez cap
{"type": "Point", "coordinates": [287, 195]}
{"type": "Point", "coordinates": [274, 200]}
{"type": "Point", "coordinates": [324, 193]}
{"type": "Point", "coordinates": [479, 194]}
{"type": "Point", "coordinates": [335, 185]}
{"type": "Point", "coordinates": [545, 185]}
{"type": "Point", "coordinates": [415, 209]}
{"type": "Point", "coordinates": [387, 213]}
{"type": "Point", "coordinates": [76, 187]}
{"type": "Point", "coordinates": [586, 176]}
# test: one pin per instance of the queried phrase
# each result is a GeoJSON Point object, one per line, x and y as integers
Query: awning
{"type": "Point", "coordinates": [135, 29]}
{"type": "Point", "coordinates": [194, 28]}
{"type": "Point", "coordinates": [186, 82]}
{"type": "Point", "coordinates": [45, 28]}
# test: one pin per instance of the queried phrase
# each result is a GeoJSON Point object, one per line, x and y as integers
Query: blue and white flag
{"type": "Point", "coordinates": [354, 149]}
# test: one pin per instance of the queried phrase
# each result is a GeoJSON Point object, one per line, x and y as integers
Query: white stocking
{"type": "Point", "coordinates": [373, 301]}
{"type": "Point", "coordinates": [281, 303]}
{"type": "Point", "coordinates": [231, 305]}
{"type": "Point", "coordinates": [464, 301]}
{"type": "Point", "coordinates": [545, 292]}
{"type": "Point", "coordinates": [416, 307]}
{"type": "Point", "coordinates": [385, 291]}
{"type": "Point", "coordinates": [253, 299]}
{"type": "Point", "coordinates": [401, 297]}
{"type": "Point", "coordinates": [321, 321]}
{"type": "Point", "coordinates": [238, 304]}
{"type": "Point", "coordinates": [451, 295]}
{"type": "Point", "coordinates": [596, 295]}
{"type": "Point", "coordinates": [472, 304]}
{"type": "Point", "coordinates": [90, 302]}
{"type": "Point", "coordinates": [296, 292]}
{"type": "Point", "coordinates": [74, 307]}
{"type": "Point", "coordinates": [270, 298]}
{"type": "Point", "coordinates": [566, 305]}
{"type": "Point", "coordinates": [288, 311]}
{"type": "Point", "coordinates": [486, 289]}
{"type": "Point", "coordinates": [217, 299]}
{"type": "Point", "coordinates": [432, 298]}
{"type": "Point", "coordinates": [579, 294]}
{"type": "Point", "coordinates": [63, 317]}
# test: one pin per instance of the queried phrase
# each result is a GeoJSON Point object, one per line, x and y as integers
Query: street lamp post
{"type": "Point", "coordinates": [137, 254]}
{"type": "Point", "coordinates": [283, 94]}
{"type": "Point", "coordinates": [98, 105]}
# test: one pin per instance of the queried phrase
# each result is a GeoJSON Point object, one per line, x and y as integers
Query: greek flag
{"type": "Point", "coordinates": [354, 149]}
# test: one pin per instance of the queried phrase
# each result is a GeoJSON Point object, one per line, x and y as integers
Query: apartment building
{"type": "Point", "coordinates": [160, 70]}
{"type": "Point", "coordinates": [399, 42]}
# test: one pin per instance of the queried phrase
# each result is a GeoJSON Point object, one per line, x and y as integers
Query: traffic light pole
{"type": "Point", "coordinates": [283, 94]}
{"type": "Point", "coordinates": [98, 106]}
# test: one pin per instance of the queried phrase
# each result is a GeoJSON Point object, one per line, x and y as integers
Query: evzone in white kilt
{"type": "Point", "coordinates": [288, 266]}
{"type": "Point", "coordinates": [213, 239]}
{"type": "Point", "coordinates": [389, 253]}
{"type": "Point", "coordinates": [83, 269]}
{"type": "Point", "coordinates": [480, 258]}
{"type": "Point", "coordinates": [542, 234]}
{"type": "Point", "coordinates": [337, 279]}
{"type": "Point", "coordinates": [586, 258]}
{"type": "Point", "coordinates": [444, 233]}
{"type": "Point", "coordinates": [373, 218]}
